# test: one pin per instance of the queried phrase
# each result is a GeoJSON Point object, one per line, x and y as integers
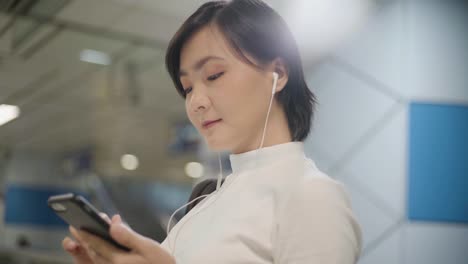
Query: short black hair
{"type": "Point", "coordinates": [254, 28]}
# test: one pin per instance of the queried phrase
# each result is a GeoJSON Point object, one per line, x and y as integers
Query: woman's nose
{"type": "Point", "coordinates": [199, 101]}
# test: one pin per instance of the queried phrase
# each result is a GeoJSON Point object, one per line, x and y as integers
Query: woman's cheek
{"type": "Point", "coordinates": [190, 117]}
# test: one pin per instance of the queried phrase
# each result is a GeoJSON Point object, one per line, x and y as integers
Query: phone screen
{"type": "Point", "coordinates": [79, 213]}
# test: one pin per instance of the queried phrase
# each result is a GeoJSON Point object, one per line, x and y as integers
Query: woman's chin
{"type": "Point", "coordinates": [217, 146]}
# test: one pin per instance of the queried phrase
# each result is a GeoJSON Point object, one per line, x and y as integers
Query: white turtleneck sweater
{"type": "Point", "coordinates": [275, 207]}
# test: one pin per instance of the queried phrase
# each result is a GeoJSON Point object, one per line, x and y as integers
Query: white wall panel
{"type": "Point", "coordinates": [386, 252]}
{"type": "Point", "coordinates": [347, 108]}
{"type": "Point", "coordinates": [373, 219]}
{"type": "Point", "coordinates": [436, 243]}
{"type": "Point", "coordinates": [377, 50]}
{"type": "Point", "coordinates": [437, 51]}
{"type": "Point", "coordinates": [381, 164]}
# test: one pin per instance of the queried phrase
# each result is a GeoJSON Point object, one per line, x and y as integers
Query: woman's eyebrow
{"type": "Point", "coordinates": [197, 65]}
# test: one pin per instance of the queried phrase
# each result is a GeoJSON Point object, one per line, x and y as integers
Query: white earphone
{"type": "Point", "coordinates": [275, 80]}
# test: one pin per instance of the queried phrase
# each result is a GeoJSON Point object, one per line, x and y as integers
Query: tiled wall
{"type": "Point", "coordinates": [411, 51]}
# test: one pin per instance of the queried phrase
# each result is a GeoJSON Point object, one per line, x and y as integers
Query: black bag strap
{"type": "Point", "coordinates": [205, 187]}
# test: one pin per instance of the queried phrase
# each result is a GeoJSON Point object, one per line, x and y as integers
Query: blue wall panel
{"type": "Point", "coordinates": [27, 205]}
{"type": "Point", "coordinates": [438, 163]}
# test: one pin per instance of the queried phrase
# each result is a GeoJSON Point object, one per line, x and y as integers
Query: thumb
{"type": "Point", "coordinates": [127, 237]}
{"type": "Point", "coordinates": [149, 249]}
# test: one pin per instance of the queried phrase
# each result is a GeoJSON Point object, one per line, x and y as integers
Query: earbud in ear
{"type": "Point", "coordinates": [275, 80]}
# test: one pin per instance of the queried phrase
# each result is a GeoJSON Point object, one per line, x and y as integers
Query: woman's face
{"type": "Point", "coordinates": [227, 99]}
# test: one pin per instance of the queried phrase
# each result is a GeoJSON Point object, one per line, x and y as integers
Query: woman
{"type": "Point", "coordinates": [239, 70]}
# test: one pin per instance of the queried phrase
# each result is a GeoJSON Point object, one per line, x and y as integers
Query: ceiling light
{"type": "Point", "coordinates": [94, 56]}
{"type": "Point", "coordinates": [129, 162]}
{"type": "Point", "coordinates": [8, 113]}
{"type": "Point", "coordinates": [194, 169]}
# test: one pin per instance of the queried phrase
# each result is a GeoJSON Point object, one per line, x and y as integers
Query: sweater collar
{"type": "Point", "coordinates": [267, 155]}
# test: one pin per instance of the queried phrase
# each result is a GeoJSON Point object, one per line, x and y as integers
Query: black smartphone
{"type": "Point", "coordinates": [79, 213]}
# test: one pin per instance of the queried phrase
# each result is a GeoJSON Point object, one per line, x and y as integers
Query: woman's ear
{"type": "Point", "coordinates": [279, 67]}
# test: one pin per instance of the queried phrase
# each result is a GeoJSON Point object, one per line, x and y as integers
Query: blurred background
{"type": "Point", "coordinates": [87, 106]}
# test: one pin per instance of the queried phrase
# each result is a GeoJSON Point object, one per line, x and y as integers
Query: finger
{"type": "Point", "coordinates": [96, 258]}
{"type": "Point", "coordinates": [126, 236]}
{"type": "Point", "coordinates": [147, 248]}
{"type": "Point", "coordinates": [69, 245]}
{"type": "Point", "coordinates": [79, 254]}
{"type": "Point", "coordinates": [98, 255]}
{"type": "Point", "coordinates": [93, 256]}
{"type": "Point", "coordinates": [117, 219]}
{"type": "Point", "coordinates": [134, 258]}
{"type": "Point", "coordinates": [76, 235]}
{"type": "Point", "coordinates": [103, 248]}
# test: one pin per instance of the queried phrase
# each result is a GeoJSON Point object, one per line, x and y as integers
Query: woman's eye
{"type": "Point", "coordinates": [215, 76]}
{"type": "Point", "coordinates": [188, 90]}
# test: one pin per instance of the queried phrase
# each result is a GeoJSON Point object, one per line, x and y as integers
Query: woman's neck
{"type": "Point", "coordinates": [277, 132]}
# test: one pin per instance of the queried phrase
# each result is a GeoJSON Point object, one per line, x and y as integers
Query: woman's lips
{"type": "Point", "coordinates": [210, 123]}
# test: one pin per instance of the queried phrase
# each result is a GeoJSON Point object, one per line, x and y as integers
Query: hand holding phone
{"type": "Point", "coordinates": [79, 213]}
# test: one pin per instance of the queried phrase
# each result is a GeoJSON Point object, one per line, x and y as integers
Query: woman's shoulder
{"type": "Point", "coordinates": [318, 212]}
{"type": "Point", "coordinates": [316, 186]}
